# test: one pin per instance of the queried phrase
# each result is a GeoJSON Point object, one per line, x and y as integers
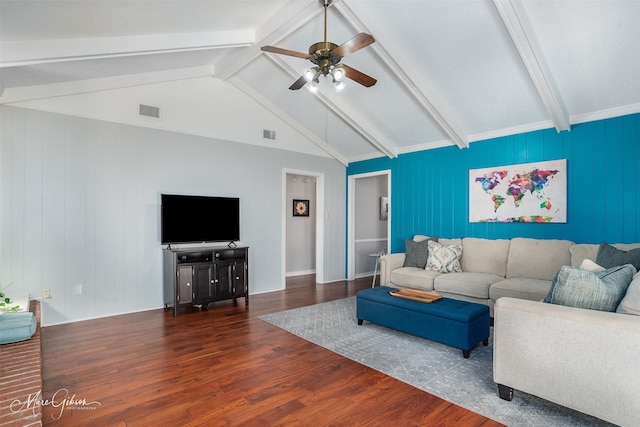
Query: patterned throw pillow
{"type": "Point", "coordinates": [444, 258]}
{"type": "Point", "coordinates": [575, 287]}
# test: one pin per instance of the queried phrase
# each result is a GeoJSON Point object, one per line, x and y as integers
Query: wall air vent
{"type": "Point", "coordinates": [150, 111]}
{"type": "Point", "coordinates": [269, 134]}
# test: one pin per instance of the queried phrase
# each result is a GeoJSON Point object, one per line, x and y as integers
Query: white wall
{"type": "Point", "coordinates": [79, 204]}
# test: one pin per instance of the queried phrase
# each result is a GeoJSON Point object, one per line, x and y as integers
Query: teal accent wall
{"type": "Point", "coordinates": [430, 194]}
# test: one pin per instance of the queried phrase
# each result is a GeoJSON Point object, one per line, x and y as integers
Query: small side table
{"type": "Point", "coordinates": [376, 256]}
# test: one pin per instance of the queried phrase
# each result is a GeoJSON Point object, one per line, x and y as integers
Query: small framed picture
{"type": "Point", "coordinates": [384, 208]}
{"type": "Point", "coordinates": [300, 207]}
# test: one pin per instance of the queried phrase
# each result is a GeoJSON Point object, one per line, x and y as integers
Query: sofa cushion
{"type": "Point", "coordinates": [609, 256]}
{"type": "Point", "coordinates": [537, 258]}
{"type": "Point", "coordinates": [603, 291]}
{"type": "Point", "coordinates": [413, 277]}
{"type": "Point", "coordinates": [465, 283]}
{"type": "Point", "coordinates": [630, 304]}
{"type": "Point", "coordinates": [485, 255]}
{"type": "Point", "coordinates": [581, 251]}
{"type": "Point", "coordinates": [416, 253]}
{"type": "Point", "coordinates": [444, 258]}
{"type": "Point", "coordinates": [454, 241]}
{"type": "Point", "coordinates": [520, 287]}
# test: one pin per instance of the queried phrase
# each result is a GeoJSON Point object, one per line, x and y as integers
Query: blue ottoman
{"type": "Point", "coordinates": [448, 321]}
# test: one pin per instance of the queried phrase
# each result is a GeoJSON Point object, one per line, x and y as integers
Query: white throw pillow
{"type": "Point", "coordinates": [589, 265]}
{"type": "Point", "coordinates": [444, 258]}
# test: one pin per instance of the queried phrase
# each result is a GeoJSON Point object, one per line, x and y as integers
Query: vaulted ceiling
{"type": "Point", "coordinates": [448, 72]}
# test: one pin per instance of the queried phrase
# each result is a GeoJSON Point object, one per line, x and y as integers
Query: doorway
{"type": "Point", "coordinates": [303, 232]}
{"type": "Point", "coordinates": [369, 222]}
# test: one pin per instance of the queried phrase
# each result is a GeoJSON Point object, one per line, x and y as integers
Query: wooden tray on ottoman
{"type": "Point", "coordinates": [416, 295]}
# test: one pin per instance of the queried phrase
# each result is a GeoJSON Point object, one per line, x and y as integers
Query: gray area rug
{"type": "Point", "coordinates": [436, 368]}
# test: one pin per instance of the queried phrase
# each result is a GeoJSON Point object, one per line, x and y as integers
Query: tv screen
{"type": "Point", "coordinates": [199, 219]}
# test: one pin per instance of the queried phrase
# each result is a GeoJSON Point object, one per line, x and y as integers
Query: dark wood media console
{"type": "Point", "coordinates": [198, 277]}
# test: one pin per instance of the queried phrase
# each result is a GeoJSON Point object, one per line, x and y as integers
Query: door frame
{"type": "Point", "coordinates": [319, 206]}
{"type": "Point", "coordinates": [351, 220]}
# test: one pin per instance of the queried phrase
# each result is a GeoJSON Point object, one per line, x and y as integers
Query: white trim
{"type": "Point", "coordinates": [300, 273]}
{"type": "Point", "coordinates": [610, 113]}
{"type": "Point", "coordinates": [351, 220]}
{"type": "Point", "coordinates": [378, 239]}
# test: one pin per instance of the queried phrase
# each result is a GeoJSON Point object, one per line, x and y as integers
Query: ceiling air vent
{"type": "Point", "coordinates": [149, 111]}
{"type": "Point", "coordinates": [269, 134]}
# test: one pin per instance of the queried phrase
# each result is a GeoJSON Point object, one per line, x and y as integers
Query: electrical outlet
{"type": "Point", "coordinates": [46, 293]}
{"type": "Point", "coordinates": [78, 289]}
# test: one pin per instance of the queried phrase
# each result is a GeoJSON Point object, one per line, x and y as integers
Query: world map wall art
{"type": "Point", "coordinates": [528, 192]}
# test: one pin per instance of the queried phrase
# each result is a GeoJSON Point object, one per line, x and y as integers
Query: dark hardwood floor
{"type": "Point", "coordinates": [224, 367]}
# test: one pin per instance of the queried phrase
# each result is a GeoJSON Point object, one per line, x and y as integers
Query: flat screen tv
{"type": "Point", "coordinates": [199, 219]}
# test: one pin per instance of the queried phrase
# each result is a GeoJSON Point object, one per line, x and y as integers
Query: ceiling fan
{"type": "Point", "coordinates": [327, 56]}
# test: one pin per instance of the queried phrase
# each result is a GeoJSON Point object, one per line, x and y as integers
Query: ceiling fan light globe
{"type": "Point", "coordinates": [313, 86]}
{"type": "Point", "coordinates": [339, 86]}
{"type": "Point", "coordinates": [338, 73]}
{"type": "Point", "coordinates": [309, 74]}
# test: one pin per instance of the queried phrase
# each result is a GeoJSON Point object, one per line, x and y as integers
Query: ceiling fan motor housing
{"type": "Point", "coordinates": [321, 54]}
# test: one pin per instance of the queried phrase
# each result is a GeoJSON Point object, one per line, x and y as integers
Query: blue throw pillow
{"type": "Point", "coordinates": [416, 253]}
{"type": "Point", "coordinates": [575, 287]}
{"type": "Point", "coordinates": [609, 256]}
{"type": "Point", "coordinates": [16, 327]}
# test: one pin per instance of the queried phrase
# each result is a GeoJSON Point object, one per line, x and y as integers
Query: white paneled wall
{"type": "Point", "coordinates": [79, 205]}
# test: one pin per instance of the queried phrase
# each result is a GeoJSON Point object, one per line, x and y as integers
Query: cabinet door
{"type": "Point", "coordinates": [202, 279]}
{"type": "Point", "coordinates": [224, 280]}
{"type": "Point", "coordinates": [240, 279]}
{"type": "Point", "coordinates": [185, 290]}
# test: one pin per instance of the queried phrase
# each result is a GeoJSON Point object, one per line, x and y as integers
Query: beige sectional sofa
{"type": "Point", "coordinates": [586, 360]}
{"type": "Point", "coordinates": [519, 268]}
{"type": "Point", "coordinates": [583, 359]}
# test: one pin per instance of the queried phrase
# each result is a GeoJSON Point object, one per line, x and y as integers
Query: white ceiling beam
{"type": "Point", "coordinates": [286, 22]}
{"type": "Point", "coordinates": [517, 23]}
{"type": "Point", "coordinates": [282, 115]}
{"type": "Point", "coordinates": [385, 147]}
{"type": "Point", "coordinates": [445, 123]}
{"type": "Point", "coordinates": [32, 52]}
{"type": "Point", "coordinates": [75, 87]}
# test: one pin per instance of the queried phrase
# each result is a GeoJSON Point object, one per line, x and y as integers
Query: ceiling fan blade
{"type": "Point", "coordinates": [359, 77]}
{"type": "Point", "coordinates": [274, 49]}
{"type": "Point", "coordinates": [355, 44]}
{"type": "Point", "coordinates": [298, 83]}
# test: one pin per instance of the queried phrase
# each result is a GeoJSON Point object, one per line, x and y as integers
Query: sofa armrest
{"type": "Point", "coordinates": [388, 263]}
{"type": "Point", "coordinates": [586, 360]}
